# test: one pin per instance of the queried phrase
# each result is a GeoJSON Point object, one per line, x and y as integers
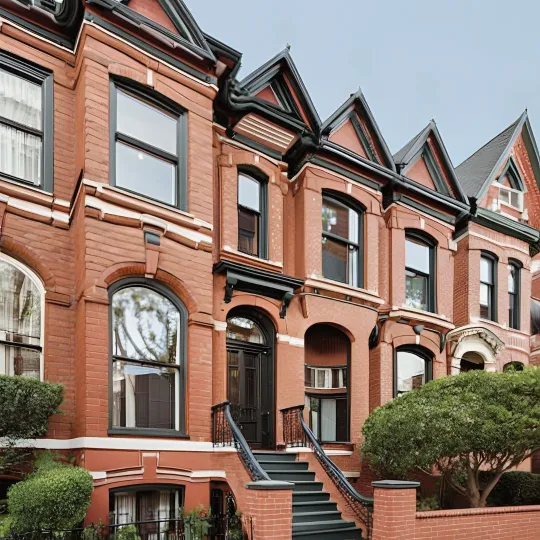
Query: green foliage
{"type": "Point", "coordinates": [459, 425]}
{"type": "Point", "coordinates": [515, 488]}
{"type": "Point", "coordinates": [55, 497]}
{"type": "Point", "coordinates": [428, 503]}
{"type": "Point", "coordinates": [129, 532]}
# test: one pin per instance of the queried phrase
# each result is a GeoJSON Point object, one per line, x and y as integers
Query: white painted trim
{"type": "Point", "coordinates": [220, 326]}
{"type": "Point", "coordinates": [226, 140]}
{"type": "Point", "coordinates": [98, 475]}
{"type": "Point", "coordinates": [351, 474]}
{"type": "Point", "coordinates": [253, 258]}
{"type": "Point", "coordinates": [293, 341]}
{"type": "Point", "coordinates": [318, 282]}
{"type": "Point", "coordinates": [124, 443]}
{"type": "Point", "coordinates": [421, 315]}
{"type": "Point", "coordinates": [491, 241]}
{"type": "Point", "coordinates": [34, 208]}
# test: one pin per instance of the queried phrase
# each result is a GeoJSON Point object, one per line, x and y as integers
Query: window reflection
{"type": "Point", "coordinates": [411, 371]}
{"type": "Point", "coordinates": [244, 329]}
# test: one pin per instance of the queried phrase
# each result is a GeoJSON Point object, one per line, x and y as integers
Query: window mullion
{"type": "Point", "coordinates": [141, 145]}
{"type": "Point", "coordinates": [21, 127]}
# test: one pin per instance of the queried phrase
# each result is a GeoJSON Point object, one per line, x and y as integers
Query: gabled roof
{"type": "Point", "coordinates": [189, 35]}
{"type": "Point", "coordinates": [413, 150]}
{"type": "Point", "coordinates": [478, 171]}
{"type": "Point", "coordinates": [273, 71]}
{"type": "Point", "coordinates": [357, 102]}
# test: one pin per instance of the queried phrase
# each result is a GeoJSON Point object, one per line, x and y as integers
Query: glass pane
{"type": "Point", "coordinates": [314, 415]}
{"type": "Point", "coordinates": [249, 192]}
{"type": "Point", "coordinates": [145, 326]}
{"type": "Point", "coordinates": [20, 154]}
{"type": "Point", "coordinates": [416, 294]}
{"type": "Point", "coordinates": [146, 123]}
{"type": "Point", "coordinates": [145, 174]}
{"type": "Point", "coordinates": [328, 419]}
{"type": "Point", "coordinates": [20, 100]}
{"type": "Point", "coordinates": [411, 372]}
{"type": "Point", "coordinates": [334, 260]}
{"type": "Point", "coordinates": [321, 378]}
{"type": "Point", "coordinates": [512, 279]}
{"type": "Point", "coordinates": [417, 256]}
{"type": "Point", "coordinates": [484, 311]}
{"type": "Point", "coordinates": [340, 220]}
{"type": "Point", "coordinates": [20, 306]}
{"type": "Point", "coordinates": [309, 377]}
{"type": "Point", "coordinates": [504, 195]}
{"type": "Point", "coordinates": [484, 294]}
{"type": "Point", "coordinates": [248, 232]}
{"type": "Point", "coordinates": [144, 396]}
{"type": "Point", "coordinates": [486, 270]}
{"type": "Point", "coordinates": [353, 266]}
{"type": "Point", "coordinates": [514, 199]}
{"type": "Point", "coordinates": [244, 329]}
{"type": "Point", "coordinates": [19, 361]}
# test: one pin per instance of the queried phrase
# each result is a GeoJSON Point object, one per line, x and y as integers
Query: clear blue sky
{"type": "Point", "coordinates": [472, 65]}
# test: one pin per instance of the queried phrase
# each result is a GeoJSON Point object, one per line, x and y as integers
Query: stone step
{"type": "Point", "coordinates": [300, 485]}
{"type": "Point", "coordinates": [317, 525]}
{"type": "Point", "coordinates": [273, 456]}
{"type": "Point", "coordinates": [292, 476]}
{"type": "Point", "coordinates": [310, 496]}
{"type": "Point", "coordinates": [314, 506]}
{"type": "Point", "coordinates": [283, 465]}
{"type": "Point", "coordinates": [346, 533]}
{"type": "Point", "coordinates": [307, 517]}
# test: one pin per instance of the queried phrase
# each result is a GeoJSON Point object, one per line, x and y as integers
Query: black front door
{"type": "Point", "coordinates": [251, 391]}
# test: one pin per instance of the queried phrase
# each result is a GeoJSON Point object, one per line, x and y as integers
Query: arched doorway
{"type": "Point", "coordinates": [471, 361]}
{"type": "Point", "coordinates": [327, 364]}
{"type": "Point", "coordinates": [250, 375]}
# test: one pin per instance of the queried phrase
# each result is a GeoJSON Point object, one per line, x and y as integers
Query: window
{"type": "Point", "coordinates": [146, 504]}
{"type": "Point", "coordinates": [413, 368]}
{"type": "Point", "coordinates": [511, 197]}
{"type": "Point", "coordinates": [488, 287]}
{"type": "Point", "coordinates": [148, 350]}
{"type": "Point", "coordinates": [26, 123]}
{"type": "Point", "coordinates": [419, 272]}
{"type": "Point", "coordinates": [341, 242]}
{"type": "Point", "coordinates": [148, 146]}
{"type": "Point", "coordinates": [328, 418]}
{"type": "Point", "coordinates": [514, 286]}
{"type": "Point", "coordinates": [21, 303]}
{"type": "Point", "coordinates": [326, 378]}
{"type": "Point", "coordinates": [252, 236]}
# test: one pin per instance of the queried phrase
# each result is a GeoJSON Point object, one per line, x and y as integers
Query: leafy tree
{"type": "Point", "coordinates": [25, 407]}
{"type": "Point", "coordinates": [54, 497]}
{"type": "Point", "coordinates": [458, 426]}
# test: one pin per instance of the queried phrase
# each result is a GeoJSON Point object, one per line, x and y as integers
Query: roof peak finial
{"type": "Point", "coordinates": [288, 46]}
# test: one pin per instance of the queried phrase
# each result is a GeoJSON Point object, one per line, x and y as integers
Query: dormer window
{"type": "Point", "coordinates": [511, 187]}
{"type": "Point", "coordinates": [511, 197]}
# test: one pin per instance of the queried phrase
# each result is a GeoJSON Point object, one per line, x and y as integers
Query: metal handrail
{"type": "Point", "coordinates": [362, 506]}
{"type": "Point", "coordinates": [237, 440]}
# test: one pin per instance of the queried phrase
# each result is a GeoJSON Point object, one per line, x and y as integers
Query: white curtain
{"type": "Point", "coordinates": [125, 508]}
{"type": "Point", "coordinates": [328, 419]}
{"type": "Point", "coordinates": [20, 152]}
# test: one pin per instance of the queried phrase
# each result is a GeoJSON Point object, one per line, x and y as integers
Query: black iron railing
{"type": "Point", "coordinates": [225, 432]}
{"type": "Point", "coordinates": [297, 433]}
{"type": "Point", "coordinates": [218, 527]}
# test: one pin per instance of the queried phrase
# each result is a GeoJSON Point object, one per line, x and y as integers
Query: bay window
{"type": "Point", "coordinates": [26, 123]}
{"type": "Point", "coordinates": [148, 351]}
{"type": "Point", "coordinates": [148, 146]}
{"type": "Point", "coordinates": [21, 302]}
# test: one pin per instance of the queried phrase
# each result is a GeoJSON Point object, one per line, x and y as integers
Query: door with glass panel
{"type": "Point", "coordinates": [250, 381]}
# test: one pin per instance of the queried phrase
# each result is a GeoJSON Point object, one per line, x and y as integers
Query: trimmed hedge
{"type": "Point", "coordinates": [516, 488]}
{"type": "Point", "coordinates": [55, 497]}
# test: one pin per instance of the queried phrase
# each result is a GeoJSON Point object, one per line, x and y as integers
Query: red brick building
{"type": "Point", "coordinates": [173, 237]}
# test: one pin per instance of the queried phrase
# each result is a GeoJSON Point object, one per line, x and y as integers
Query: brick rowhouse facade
{"type": "Point", "coordinates": [302, 262]}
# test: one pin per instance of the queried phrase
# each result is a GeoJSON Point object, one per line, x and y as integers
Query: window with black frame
{"type": "Point", "coordinates": [147, 360]}
{"type": "Point", "coordinates": [26, 123]}
{"type": "Point", "coordinates": [252, 237]}
{"type": "Point", "coordinates": [514, 286]}
{"type": "Point", "coordinates": [412, 369]}
{"type": "Point", "coordinates": [419, 272]}
{"type": "Point", "coordinates": [148, 146]}
{"type": "Point", "coordinates": [341, 242]}
{"type": "Point", "coordinates": [488, 287]}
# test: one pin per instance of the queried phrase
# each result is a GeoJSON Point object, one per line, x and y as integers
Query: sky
{"type": "Point", "coordinates": [471, 65]}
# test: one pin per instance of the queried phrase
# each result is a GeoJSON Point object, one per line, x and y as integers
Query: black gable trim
{"type": "Point", "coordinates": [426, 154]}
{"type": "Point", "coordinates": [511, 169]}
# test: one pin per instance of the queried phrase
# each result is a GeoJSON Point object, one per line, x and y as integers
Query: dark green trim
{"type": "Point", "coordinates": [181, 410]}
{"type": "Point", "coordinates": [502, 224]}
{"type": "Point", "coordinates": [222, 49]}
{"type": "Point", "coordinates": [395, 484]}
{"type": "Point", "coordinates": [412, 203]}
{"type": "Point", "coordinates": [161, 103]}
{"type": "Point", "coordinates": [321, 162]}
{"type": "Point", "coordinates": [434, 170]}
{"type": "Point", "coordinates": [364, 139]}
{"type": "Point", "coordinates": [511, 169]}
{"type": "Point", "coordinates": [149, 49]}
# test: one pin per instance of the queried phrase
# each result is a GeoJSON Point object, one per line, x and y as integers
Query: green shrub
{"type": "Point", "coordinates": [129, 532]}
{"type": "Point", "coordinates": [516, 488]}
{"type": "Point", "coordinates": [55, 497]}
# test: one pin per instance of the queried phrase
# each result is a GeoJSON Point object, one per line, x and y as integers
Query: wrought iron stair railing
{"type": "Point", "coordinates": [225, 432]}
{"type": "Point", "coordinates": [296, 433]}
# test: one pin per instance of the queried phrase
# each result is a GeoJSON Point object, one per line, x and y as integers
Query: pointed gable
{"type": "Point", "coordinates": [278, 83]}
{"type": "Point", "coordinates": [425, 160]}
{"type": "Point", "coordinates": [353, 127]}
{"type": "Point", "coordinates": [152, 10]}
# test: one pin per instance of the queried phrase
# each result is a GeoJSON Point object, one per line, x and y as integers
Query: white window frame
{"type": "Point", "coordinates": [510, 190]}
{"type": "Point", "coordinates": [327, 378]}
{"type": "Point", "coordinates": [39, 284]}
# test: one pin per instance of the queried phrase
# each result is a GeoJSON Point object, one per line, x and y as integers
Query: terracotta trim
{"type": "Point", "coordinates": [477, 511]}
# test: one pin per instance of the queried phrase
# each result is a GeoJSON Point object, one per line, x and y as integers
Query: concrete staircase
{"type": "Point", "coordinates": [315, 516]}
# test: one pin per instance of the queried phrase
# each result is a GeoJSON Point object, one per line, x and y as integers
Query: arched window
{"type": "Point", "coordinates": [342, 242]}
{"type": "Point", "coordinates": [21, 305]}
{"type": "Point", "coordinates": [252, 214]}
{"type": "Point", "coordinates": [514, 294]}
{"type": "Point", "coordinates": [326, 380]}
{"type": "Point", "coordinates": [148, 358]}
{"type": "Point", "coordinates": [471, 361]}
{"type": "Point", "coordinates": [514, 366]}
{"type": "Point", "coordinates": [488, 286]}
{"type": "Point", "coordinates": [412, 369]}
{"type": "Point", "coordinates": [420, 282]}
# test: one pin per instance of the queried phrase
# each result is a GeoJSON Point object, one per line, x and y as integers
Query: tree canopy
{"type": "Point", "coordinates": [458, 426]}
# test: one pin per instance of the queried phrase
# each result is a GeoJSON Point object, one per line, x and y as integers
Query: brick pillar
{"type": "Point", "coordinates": [269, 503]}
{"type": "Point", "coordinates": [394, 510]}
